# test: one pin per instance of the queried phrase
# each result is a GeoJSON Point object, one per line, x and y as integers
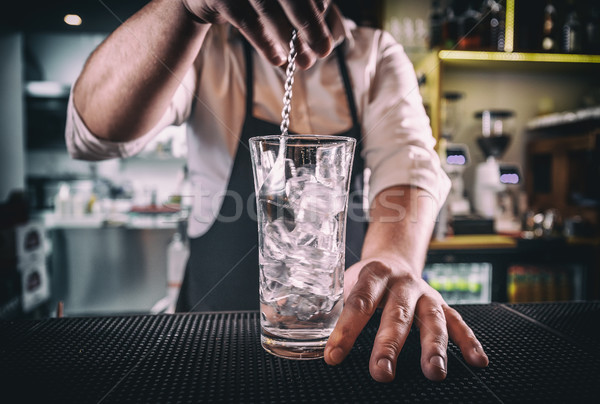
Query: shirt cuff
{"type": "Point", "coordinates": [82, 144]}
{"type": "Point", "coordinates": [412, 166]}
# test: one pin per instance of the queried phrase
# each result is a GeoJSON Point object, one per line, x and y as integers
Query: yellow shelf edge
{"type": "Point", "coordinates": [453, 55]}
{"type": "Point", "coordinates": [473, 242]}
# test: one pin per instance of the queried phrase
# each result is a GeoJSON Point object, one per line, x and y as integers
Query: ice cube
{"type": "Point", "coordinates": [304, 234]}
{"type": "Point", "coordinates": [319, 202]}
{"type": "Point", "coordinates": [276, 271]}
{"type": "Point", "coordinates": [276, 207]}
{"type": "Point", "coordinates": [276, 240]}
{"type": "Point", "coordinates": [327, 236]}
{"type": "Point", "coordinates": [290, 169]}
{"type": "Point", "coordinates": [332, 165]}
{"type": "Point", "coordinates": [294, 187]}
{"type": "Point", "coordinates": [306, 308]}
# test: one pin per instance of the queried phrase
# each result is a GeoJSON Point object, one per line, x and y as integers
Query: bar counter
{"type": "Point", "coordinates": [539, 352]}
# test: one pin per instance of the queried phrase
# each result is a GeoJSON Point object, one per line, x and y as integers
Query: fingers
{"type": "Point", "coordinates": [463, 336]}
{"type": "Point", "coordinates": [434, 338]}
{"type": "Point", "coordinates": [246, 20]}
{"type": "Point", "coordinates": [268, 25]}
{"type": "Point", "coordinates": [358, 309]}
{"type": "Point", "coordinates": [309, 19]}
{"type": "Point", "coordinates": [396, 321]}
{"type": "Point", "coordinates": [271, 13]}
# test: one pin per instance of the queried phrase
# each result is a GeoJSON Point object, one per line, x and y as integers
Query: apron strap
{"type": "Point", "coordinates": [249, 78]}
{"type": "Point", "coordinates": [347, 85]}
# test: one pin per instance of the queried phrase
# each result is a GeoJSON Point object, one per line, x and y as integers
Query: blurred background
{"type": "Point", "coordinates": [513, 93]}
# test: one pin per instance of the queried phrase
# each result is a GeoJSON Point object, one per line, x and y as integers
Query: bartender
{"type": "Point", "coordinates": [219, 67]}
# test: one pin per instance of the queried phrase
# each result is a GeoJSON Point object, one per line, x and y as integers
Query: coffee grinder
{"type": "Point", "coordinates": [454, 158]}
{"type": "Point", "coordinates": [491, 177]}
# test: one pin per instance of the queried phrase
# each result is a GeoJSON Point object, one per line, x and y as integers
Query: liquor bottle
{"type": "Point", "coordinates": [450, 26]}
{"type": "Point", "coordinates": [493, 23]}
{"type": "Point", "coordinates": [469, 28]}
{"type": "Point", "coordinates": [592, 31]}
{"type": "Point", "coordinates": [436, 20]}
{"type": "Point", "coordinates": [550, 29]}
{"type": "Point", "coordinates": [571, 32]}
{"type": "Point", "coordinates": [177, 255]}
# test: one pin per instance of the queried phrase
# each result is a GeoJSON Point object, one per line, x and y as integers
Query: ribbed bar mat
{"type": "Point", "coordinates": [576, 321]}
{"type": "Point", "coordinates": [217, 357]}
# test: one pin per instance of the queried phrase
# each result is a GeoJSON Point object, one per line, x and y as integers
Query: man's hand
{"type": "Point", "coordinates": [404, 298]}
{"type": "Point", "coordinates": [389, 276]}
{"type": "Point", "coordinates": [268, 25]}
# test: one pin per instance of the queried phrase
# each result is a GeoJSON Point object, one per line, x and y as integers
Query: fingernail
{"type": "Point", "coordinates": [325, 47]}
{"type": "Point", "coordinates": [337, 355]}
{"type": "Point", "coordinates": [385, 364]}
{"type": "Point", "coordinates": [281, 55]}
{"type": "Point", "coordinates": [439, 362]}
{"type": "Point", "coordinates": [481, 355]}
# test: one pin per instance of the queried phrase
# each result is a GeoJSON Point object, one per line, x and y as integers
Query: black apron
{"type": "Point", "coordinates": [222, 271]}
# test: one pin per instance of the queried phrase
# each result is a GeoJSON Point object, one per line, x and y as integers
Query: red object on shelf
{"type": "Point", "coordinates": [156, 209]}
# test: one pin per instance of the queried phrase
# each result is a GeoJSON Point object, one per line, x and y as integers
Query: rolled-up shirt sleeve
{"type": "Point", "coordinates": [82, 144]}
{"type": "Point", "coordinates": [398, 143]}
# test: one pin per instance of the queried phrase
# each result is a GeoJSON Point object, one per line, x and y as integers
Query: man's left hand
{"type": "Point", "coordinates": [405, 297]}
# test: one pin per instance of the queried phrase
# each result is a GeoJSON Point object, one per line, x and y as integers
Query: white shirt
{"type": "Point", "coordinates": [398, 146]}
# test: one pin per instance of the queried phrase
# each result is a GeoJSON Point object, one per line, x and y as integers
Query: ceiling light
{"type": "Point", "coordinates": [72, 19]}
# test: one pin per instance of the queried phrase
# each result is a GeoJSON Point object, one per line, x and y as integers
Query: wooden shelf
{"type": "Point", "coordinates": [473, 242]}
{"type": "Point", "coordinates": [456, 55]}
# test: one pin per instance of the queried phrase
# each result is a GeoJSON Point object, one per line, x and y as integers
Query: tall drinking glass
{"type": "Point", "coordinates": [301, 186]}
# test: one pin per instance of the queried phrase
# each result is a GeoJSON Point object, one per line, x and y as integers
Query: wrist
{"type": "Point", "coordinates": [398, 263]}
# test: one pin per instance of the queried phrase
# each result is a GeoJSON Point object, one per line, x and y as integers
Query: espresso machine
{"type": "Point", "coordinates": [492, 176]}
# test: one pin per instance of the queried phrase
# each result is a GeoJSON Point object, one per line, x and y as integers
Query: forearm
{"type": "Point", "coordinates": [128, 81]}
{"type": "Point", "coordinates": [400, 226]}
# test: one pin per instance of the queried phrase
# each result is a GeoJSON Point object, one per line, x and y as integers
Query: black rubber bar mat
{"type": "Point", "coordinates": [217, 357]}
{"type": "Point", "coordinates": [578, 322]}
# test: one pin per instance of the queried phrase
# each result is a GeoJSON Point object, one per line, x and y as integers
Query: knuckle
{"type": "Point", "coordinates": [471, 339]}
{"type": "Point", "coordinates": [307, 25]}
{"type": "Point", "coordinates": [436, 313]}
{"type": "Point", "coordinates": [389, 347]}
{"type": "Point", "coordinates": [377, 270]}
{"type": "Point", "coordinates": [361, 302]}
{"type": "Point", "coordinates": [242, 21]}
{"type": "Point", "coordinates": [260, 5]}
{"type": "Point", "coordinates": [440, 342]}
{"type": "Point", "coordinates": [401, 315]}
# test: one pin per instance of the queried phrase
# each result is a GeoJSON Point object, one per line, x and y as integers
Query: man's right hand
{"type": "Point", "coordinates": [267, 24]}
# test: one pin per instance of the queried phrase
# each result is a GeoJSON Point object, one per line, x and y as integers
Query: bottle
{"type": "Point", "coordinates": [493, 23]}
{"type": "Point", "coordinates": [177, 257]}
{"type": "Point", "coordinates": [436, 19]}
{"type": "Point", "coordinates": [469, 28]}
{"type": "Point", "coordinates": [571, 32]}
{"type": "Point", "coordinates": [592, 31]}
{"type": "Point", "coordinates": [62, 201]}
{"type": "Point", "coordinates": [450, 27]}
{"type": "Point", "coordinates": [550, 29]}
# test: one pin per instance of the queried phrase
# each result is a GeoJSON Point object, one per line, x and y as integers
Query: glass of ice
{"type": "Point", "coordinates": [302, 200]}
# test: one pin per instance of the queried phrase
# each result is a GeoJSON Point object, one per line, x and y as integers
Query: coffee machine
{"type": "Point", "coordinates": [491, 176]}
